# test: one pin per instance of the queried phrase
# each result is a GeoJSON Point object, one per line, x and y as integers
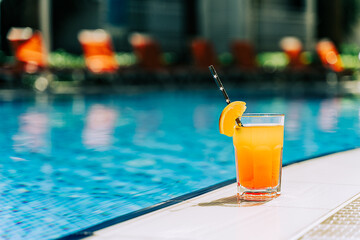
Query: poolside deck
{"type": "Point", "coordinates": [310, 189]}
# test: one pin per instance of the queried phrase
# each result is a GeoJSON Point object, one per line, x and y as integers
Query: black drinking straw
{"type": "Point", "coordinates": [222, 89]}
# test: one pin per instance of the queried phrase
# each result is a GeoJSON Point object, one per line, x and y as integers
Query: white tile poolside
{"type": "Point", "coordinates": [310, 190]}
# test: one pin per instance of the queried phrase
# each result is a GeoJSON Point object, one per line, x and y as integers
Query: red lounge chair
{"type": "Point", "coordinates": [28, 48]}
{"type": "Point", "coordinates": [203, 54]}
{"type": "Point", "coordinates": [329, 55]}
{"type": "Point", "coordinates": [244, 54]}
{"type": "Point", "coordinates": [147, 51]}
{"type": "Point", "coordinates": [98, 51]}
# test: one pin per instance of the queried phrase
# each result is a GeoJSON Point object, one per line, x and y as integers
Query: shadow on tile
{"type": "Point", "coordinates": [231, 201]}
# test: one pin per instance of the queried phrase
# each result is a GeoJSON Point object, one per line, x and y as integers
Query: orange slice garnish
{"type": "Point", "coordinates": [227, 121]}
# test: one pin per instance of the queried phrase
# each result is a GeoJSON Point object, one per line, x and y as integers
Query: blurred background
{"type": "Point", "coordinates": [109, 107]}
{"type": "Point", "coordinates": [173, 41]}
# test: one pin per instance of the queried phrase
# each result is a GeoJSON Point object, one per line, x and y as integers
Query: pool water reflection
{"type": "Point", "coordinates": [69, 162]}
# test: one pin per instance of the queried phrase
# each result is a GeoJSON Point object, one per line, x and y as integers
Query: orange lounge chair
{"type": "Point", "coordinates": [98, 51]}
{"type": "Point", "coordinates": [329, 55]}
{"type": "Point", "coordinates": [244, 54]}
{"type": "Point", "coordinates": [29, 50]}
{"type": "Point", "coordinates": [293, 48]}
{"type": "Point", "coordinates": [147, 51]}
{"type": "Point", "coordinates": [203, 54]}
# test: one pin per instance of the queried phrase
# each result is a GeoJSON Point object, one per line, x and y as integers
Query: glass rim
{"type": "Point", "coordinates": [263, 115]}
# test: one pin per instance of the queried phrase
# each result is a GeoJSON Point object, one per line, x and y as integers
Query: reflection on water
{"type": "Point", "coordinates": [99, 127]}
{"type": "Point", "coordinates": [32, 134]}
{"type": "Point", "coordinates": [328, 114]}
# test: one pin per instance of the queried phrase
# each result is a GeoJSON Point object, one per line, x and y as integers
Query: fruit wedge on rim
{"type": "Point", "coordinates": [228, 116]}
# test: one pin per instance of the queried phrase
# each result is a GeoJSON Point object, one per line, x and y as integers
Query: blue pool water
{"type": "Point", "coordinates": [70, 162]}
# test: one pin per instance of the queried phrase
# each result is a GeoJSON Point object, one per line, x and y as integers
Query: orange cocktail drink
{"type": "Point", "coordinates": [258, 141]}
{"type": "Point", "coordinates": [258, 155]}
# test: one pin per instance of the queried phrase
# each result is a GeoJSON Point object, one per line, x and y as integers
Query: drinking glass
{"type": "Point", "coordinates": [258, 147]}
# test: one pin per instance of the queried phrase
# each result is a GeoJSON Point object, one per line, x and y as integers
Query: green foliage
{"type": "Point", "coordinates": [350, 56]}
{"type": "Point", "coordinates": [274, 60]}
{"type": "Point", "coordinates": [350, 61]}
{"type": "Point", "coordinates": [62, 59]}
{"type": "Point", "coordinates": [125, 59]}
{"type": "Point", "coordinates": [350, 49]}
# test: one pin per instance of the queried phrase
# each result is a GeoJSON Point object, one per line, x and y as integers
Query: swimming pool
{"type": "Point", "coordinates": [69, 162]}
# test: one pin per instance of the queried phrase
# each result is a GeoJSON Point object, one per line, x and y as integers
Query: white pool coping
{"type": "Point", "coordinates": [310, 190]}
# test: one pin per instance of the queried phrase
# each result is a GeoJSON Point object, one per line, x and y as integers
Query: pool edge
{"type": "Point", "coordinates": [87, 232]}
